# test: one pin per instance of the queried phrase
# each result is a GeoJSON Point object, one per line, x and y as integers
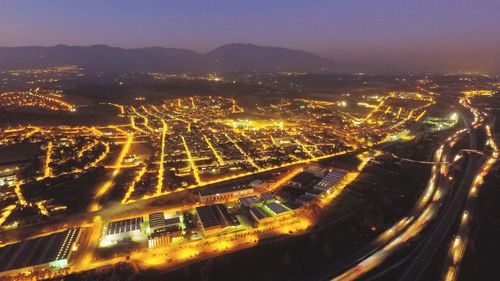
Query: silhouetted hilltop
{"type": "Point", "coordinates": [231, 57]}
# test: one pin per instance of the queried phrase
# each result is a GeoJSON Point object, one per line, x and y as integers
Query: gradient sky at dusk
{"type": "Point", "coordinates": [450, 32]}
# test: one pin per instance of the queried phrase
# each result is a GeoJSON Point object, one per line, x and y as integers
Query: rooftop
{"type": "Point", "coordinates": [37, 251]}
{"type": "Point", "coordinates": [224, 189]}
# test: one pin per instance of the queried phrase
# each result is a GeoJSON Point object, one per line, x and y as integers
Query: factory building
{"type": "Point", "coordinates": [118, 231]}
{"type": "Point", "coordinates": [160, 226]}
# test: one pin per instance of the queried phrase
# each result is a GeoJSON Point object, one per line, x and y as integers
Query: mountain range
{"type": "Point", "coordinates": [103, 58]}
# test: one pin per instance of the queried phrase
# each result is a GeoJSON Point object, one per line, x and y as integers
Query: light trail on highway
{"type": "Point", "coordinates": [466, 190]}
{"type": "Point", "coordinates": [458, 245]}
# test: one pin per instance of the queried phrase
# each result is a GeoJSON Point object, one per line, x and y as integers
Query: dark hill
{"type": "Point", "coordinates": [248, 57]}
{"type": "Point", "coordinates": [231, 57]}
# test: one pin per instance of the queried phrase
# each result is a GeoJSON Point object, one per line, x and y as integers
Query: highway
{"type": "Point", "coordinates": [417, 267]}
{"type": "Point", "coordinates": [463, 203]}
{"type": "Point", "coordinates": [458, 245]}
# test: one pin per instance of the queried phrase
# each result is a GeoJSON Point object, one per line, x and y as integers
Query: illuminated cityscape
{"type": "Point", "coordinates": [245, 162]}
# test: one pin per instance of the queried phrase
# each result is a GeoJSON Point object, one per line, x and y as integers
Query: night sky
{"type": "Point", "coordinates": [441, 33]}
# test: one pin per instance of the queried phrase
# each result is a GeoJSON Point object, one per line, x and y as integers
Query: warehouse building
{"type": "Point", "coordinates": [249, 201]}
{"type": "Point", "coordinates": [225, 192]}
{"type": "Point", "coordinates": [259, 215]}
{"type": "Point", "coordinates": [214, 218]}
{"type": "Point", "coordinates": [275, 209]}
{"type": "Point", "coordinates": [51, 251]}
{"type": "Point", "coordinates": [330, 180]}
{"type": "Point", "coordinates": [304, 199]}
{"type": "Point", "coordinates": [316, 170]}
{"type": "Point", "coordinates": [160, 226]}
{"type": "Point", "coordinates": [118, 231]}
{"type": "Point", "coordinates": [303, 180]}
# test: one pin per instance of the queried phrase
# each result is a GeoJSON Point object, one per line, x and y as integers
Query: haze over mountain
{"type": "Point", "coordinates": [230, 57]}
